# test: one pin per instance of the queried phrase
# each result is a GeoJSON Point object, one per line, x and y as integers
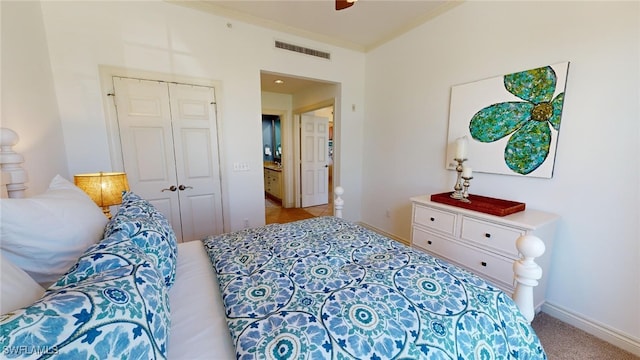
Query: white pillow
{"type": "Point", "coordinates": [17, 288]}
{"type": "Point", "coordinates": [45, 234]}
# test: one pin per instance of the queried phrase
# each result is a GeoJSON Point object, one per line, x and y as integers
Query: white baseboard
{"type": "Point", "coordinates": [601, 331]}
{"type": "Point", "coordinates": [382, 232]}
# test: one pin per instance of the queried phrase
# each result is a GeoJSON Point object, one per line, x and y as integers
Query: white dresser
{"type": "Point", "coordinates": [482, 243]}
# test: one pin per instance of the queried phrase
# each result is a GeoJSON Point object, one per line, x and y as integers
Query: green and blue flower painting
{"type": "Point", "coordinates": [512, 121]}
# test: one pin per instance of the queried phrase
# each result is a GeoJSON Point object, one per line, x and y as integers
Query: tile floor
{"type": "Point", "coordinates": [275, 213]}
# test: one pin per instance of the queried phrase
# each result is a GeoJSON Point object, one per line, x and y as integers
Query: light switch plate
{"type": "Point", "coordinates": [240, 166]}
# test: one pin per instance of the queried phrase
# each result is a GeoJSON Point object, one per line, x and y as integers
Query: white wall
{"type": "Point", "coordinates": [595, 187]}
{"type": "Point", "coordinates": [28, 98]}
{"type": "Point", "coordinates": [165, 38]}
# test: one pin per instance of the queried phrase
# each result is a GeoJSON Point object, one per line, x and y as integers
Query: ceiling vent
{"type": "Point", "coordinates": [303, 50]}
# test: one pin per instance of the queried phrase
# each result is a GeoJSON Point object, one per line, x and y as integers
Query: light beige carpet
{"type": "Point", "coordinates": [562, 341]}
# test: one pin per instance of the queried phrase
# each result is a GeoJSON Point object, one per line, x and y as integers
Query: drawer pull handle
{"type": "Point", "coordinates": [484, 263]}
{"type": "Point", "coordinates": [429, 242]}
{"type": "Point", "coordinates": [432, 219]}
{"type": "Point", "coordinates": [487, 235]}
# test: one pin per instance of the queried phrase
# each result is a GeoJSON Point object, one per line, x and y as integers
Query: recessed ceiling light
{"type": "Point", "coordinates": [278, 81]}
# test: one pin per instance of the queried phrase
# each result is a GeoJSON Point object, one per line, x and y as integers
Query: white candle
{"type": "Point", "coordinates": [461, 148]}
{"type": "Point", "coordinates": [466, 172]}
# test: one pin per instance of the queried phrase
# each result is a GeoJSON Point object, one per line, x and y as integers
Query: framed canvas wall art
{"type": "Point", "coordinates": [511, 121]}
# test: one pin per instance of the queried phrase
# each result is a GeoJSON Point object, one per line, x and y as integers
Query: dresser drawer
{"type": "Point", "coordinates": [435, 219]}
{"type": "Point", "coordinates": [490, 266]}
{"type": "Point", "coordinates": [429, 241]}
{"type": "Point", "coordinates": [491, 236]}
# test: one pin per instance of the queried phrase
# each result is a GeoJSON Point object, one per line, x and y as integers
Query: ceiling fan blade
{"type": "Point", "coordinates": [343, 4]}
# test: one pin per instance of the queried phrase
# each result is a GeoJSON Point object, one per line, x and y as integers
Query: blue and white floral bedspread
{"type": "Point", "coordinates": [325, 288]}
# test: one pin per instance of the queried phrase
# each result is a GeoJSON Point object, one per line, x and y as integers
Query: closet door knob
{"type": "Point", "coordinates": [182, 187]}
{"type": "Point", "coordinates": [172, 188]}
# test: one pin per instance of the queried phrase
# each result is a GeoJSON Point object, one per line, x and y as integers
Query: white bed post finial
{"type": "Point", "coordinates": [527, 273]}
{"type": "Point", "coordinates": [338, 203]}
{"type": "Point", "coordinates": [13, 175]}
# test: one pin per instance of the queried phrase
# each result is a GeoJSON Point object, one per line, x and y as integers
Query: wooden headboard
{"type": "Point", "coordinates": [12, 176]}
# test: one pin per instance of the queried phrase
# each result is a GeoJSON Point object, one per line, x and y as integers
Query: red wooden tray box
{"type": "Point", "coordinates": [482, 204]}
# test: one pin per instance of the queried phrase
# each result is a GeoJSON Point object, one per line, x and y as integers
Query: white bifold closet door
{"type": "Point", "coordinates": [169, 143]}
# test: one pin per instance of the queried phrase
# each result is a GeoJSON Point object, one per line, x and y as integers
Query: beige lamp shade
{"type": "Point", "coordinates": [105, 189]}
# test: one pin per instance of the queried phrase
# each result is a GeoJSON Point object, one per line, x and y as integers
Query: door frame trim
{"type": "Point", "coordinates": [111, 119]}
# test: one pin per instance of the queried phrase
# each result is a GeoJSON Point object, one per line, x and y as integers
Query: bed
{"type": "Point", "coordinates": [322, 288]}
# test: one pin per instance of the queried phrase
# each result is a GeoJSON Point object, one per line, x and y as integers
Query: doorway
{"type": "Point", "coordinates": [272, 158]}
{"type": "Point", "coordinates": [299, 96]}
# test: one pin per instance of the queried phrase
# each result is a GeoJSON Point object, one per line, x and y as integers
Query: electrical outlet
{"type": "Point", "coordinates": [246, 223]}
{"type": "Point", "coordinates": [388, 213]}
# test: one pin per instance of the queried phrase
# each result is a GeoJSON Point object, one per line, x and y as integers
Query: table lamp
{"type": "Point", "coordinates": [105, 189]}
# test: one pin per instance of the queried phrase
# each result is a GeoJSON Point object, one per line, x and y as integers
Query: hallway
{"type": "Point", "coordinates": [275, 213]}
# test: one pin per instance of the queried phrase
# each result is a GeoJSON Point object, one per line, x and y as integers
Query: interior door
{"type": "Point", "coordinates": [196, 151]}
{"type": "Point", "coordinates": [314, 161]}
{"type": "Point", "coordinates": [170, 152]}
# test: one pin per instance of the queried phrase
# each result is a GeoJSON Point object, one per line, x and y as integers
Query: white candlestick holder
{"type": "Point", "coordinates": [465, 193]}
{"type": "Point", "coordinates": [457, 193]}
